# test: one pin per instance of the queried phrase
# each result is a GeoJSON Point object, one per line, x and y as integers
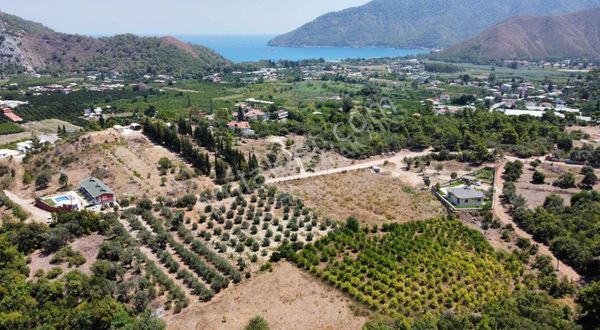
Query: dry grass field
{"type": "Point", "coordinates": [49, 126]}
{"type": "Point", "coordinates": [371, 198]}
{"type": "Point", "coordinates": [126, 163]}
{"type": "Point", "coordinates": [288, 298]}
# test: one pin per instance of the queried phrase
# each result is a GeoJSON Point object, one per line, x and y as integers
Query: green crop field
{"type": "Point", "coordinates": [10, 128]}
{"type": "Point", "coordinates": [413, 268]}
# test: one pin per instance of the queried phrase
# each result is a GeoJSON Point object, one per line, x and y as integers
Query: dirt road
{"type": "Point", "coordinates": [181, 90]}
{"type": "Point", "coordinates": [502, 214]}
{"type": "Point", "coordinates": [397, 159]}
{"type": "Point", "coordinates": [279, 140]}
{"type": "Point", "coordinates": [38, 215]}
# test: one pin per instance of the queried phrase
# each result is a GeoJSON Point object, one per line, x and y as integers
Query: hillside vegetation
{"type": "Point", "coordinates": [525, 37]}
{"type": "Point", "coordinates": [29, 46]}
{"type": "Point", "coordinates": [417, 23]}
{"type": "Point", "coordinates": [429, 268]}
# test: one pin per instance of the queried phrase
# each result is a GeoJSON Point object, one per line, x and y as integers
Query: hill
{"type": "Point", "coordinates": [526, 37]}
{"type": "Point", "coordinates": [29, 46]}
{"type": "Point", "coordinates": [417, 23]}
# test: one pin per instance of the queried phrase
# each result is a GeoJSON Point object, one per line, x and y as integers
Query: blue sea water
{"type": "Point", "coordinates": [246, 48]}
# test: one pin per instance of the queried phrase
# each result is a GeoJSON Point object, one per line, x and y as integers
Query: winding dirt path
{"type": "Point", "coordinates": [37, 214]}
{"type": "Point", "coordinates": [502, 214]}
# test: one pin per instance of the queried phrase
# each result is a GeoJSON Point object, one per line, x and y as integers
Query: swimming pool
{"type": "Point", "coordinates": [62, 199]}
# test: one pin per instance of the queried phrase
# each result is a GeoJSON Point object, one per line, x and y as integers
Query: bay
{"type": "Point", "coordinates": [247, 48]}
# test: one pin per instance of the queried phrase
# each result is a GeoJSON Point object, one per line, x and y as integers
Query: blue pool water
{"type": "Point", "coordinates": [245, 48]}
{"type": "Point", "coordinates": [62, 199]}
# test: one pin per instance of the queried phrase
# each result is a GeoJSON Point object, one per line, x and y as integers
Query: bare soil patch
{"type": "Point", "coordinates": [287, 298]}
{"type": "Point", "coordinates": [88, 246]}
{"type": "Point", "coordinates": [535, 194]}
{"type": "Point", "coordinates": [592, 131]}
{"type": "Point", "coordinates": [10, 138]}
{"type": "Point", "coordinates": [371, 198]}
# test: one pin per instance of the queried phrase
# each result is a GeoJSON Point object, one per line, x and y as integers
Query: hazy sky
{"type": "Point", "coordinates": [173, 16]}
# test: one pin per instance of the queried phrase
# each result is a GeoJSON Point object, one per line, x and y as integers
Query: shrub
{"type": "Point", "coordinates": [54, 272]}
{"type": "Point", "coordinates": [565, 181]}
{"type": "Point", "coordinates": [538, 177]}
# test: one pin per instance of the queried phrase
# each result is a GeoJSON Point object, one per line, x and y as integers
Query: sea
{"type": "Point", "coordinates": [251, 48]}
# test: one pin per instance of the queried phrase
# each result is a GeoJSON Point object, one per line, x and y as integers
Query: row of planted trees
{"type": "Point", "coordinates": [119, 249]}
{"type": "Point", "coordinates": [257, 223]}
{"type": "Point", "coordinates": [216, 281]}
{"type": "Point", "coordinates": [156, 244]}
{"type": "Point", "coordinates": [412, 268]}
{"type": "Point", "coordinates": [161, 133]}
{"type": "Point", "coordinates": [226, 157]}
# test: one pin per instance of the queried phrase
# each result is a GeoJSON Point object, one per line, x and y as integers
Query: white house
{"type": "Point", "coordinates": [282, 114]}
{"type": "Point", "coordinates": [7, 153]}
{"type": "Point", "coordinates": [24, 146]}
{"type": "Point", "coordinates": [466, 197]}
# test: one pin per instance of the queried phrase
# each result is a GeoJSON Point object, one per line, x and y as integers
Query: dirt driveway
{"type": "Point", "coordinates": [38, 215]}
{"type": "Point", "coordinates": [502, 214]}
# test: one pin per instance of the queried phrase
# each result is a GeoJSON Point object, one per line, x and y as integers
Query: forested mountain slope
{"type": "Point", "coordinates": [418, 23]}
{"type": "Point", "coordinates": [29, 46]}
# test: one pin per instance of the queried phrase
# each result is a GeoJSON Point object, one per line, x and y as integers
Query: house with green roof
{"type": "Point", "coordinates": [96, 191]}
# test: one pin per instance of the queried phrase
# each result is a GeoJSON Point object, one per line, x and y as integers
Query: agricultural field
{"type": "Point", "coordinates": [250, 229]}
{"type": "Point", "coordinates": [533, 74]}
{"type": "Point", "coordinates": [414, 268]}
{"type": "Point", "coordinates": [183, 97]}
{"type": "Point", "coordinates": [372, 198]}
{"type": "Point", "coordinates": [50, 126]}
{"type": "Point", "coordinates": [301, 93]}
{"type": "Point", "coordinates": [25, 80]}
{"type": "Point", "coordinates": [204, 255]}
{"type": "Point", "coordinates": [69, 107]}
{"type": "Point", "coordinates": [9, 128]}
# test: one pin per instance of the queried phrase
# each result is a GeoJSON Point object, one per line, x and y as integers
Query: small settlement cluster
{"type": "Point", "coordinates": [247, 112]}
{"type": "Point", "coordinates": [92, 194]}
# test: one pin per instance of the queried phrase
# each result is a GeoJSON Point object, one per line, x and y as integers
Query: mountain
{"type": "Point", "coordinates": [29, 46]}
{"type": "Point", "coordinates": [418, 23]}
{"type": "Point", "coordinates": [526, 37]}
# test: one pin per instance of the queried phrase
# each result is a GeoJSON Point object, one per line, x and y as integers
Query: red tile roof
{"type": "Point", "coordinates": [255, 112]}
{"type": "Point", "coordinates": [11, 115]}
{"type": "Point", "coordinates": [240, 124]}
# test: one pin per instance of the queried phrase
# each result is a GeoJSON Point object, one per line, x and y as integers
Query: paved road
{"type": "Point", "coordinates": [355, 167]}
{"type": "Point", "coordinates": [28, 205]}
{"type": "Point", "coordinates": [502, 214]}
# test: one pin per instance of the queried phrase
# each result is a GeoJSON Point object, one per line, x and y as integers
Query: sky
{"type": "Point", "coordinates": [159, 17]}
